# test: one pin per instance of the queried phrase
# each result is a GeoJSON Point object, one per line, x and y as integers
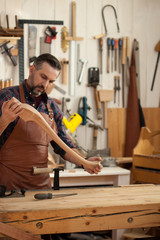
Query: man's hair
{"type": "Point", "coordinates": [48, 58]}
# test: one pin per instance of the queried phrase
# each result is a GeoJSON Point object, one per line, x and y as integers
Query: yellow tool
{"type": "Point", "coordinates": [72, 122]}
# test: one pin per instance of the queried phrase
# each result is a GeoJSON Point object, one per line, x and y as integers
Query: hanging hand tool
{"type": "Point", "coordinates": [73, 40]}
{"type": "Point", "coordinates": [116, 50]}
{"type": "Point", "coordinates": [100, 54]}
{"type": "Point", "coordinates": [72, 122]}
{"type": "Point", "coordinates": [127, 61]}
{"type": "Point", "coordinates": [65, 110]}
{"type": "Point", "coordinates": [83, 67]}
{"type": "Point", "coordinates": [32, 38]}
{"type": "Point", "coordinates": [100, 47]}
{"type": "Point", "coordinates": [41, 196]}
{"type": "Point", "coordinates": [137, 68]}
{"type": "Point", "coordinates": [105, 97]}
{"type": "Point", "coordinates": [118, 30]}
{"type": "Point", "coordinates": [120, 54]}
{"type": "Point", "coordinates": [7, 50]}
{"type": "Point", "coordinates": [50, 34]}
{"type": "Point", "coordinates": [93, 80]}
{"type": "Point", "coordinates": [112, 49]}
{"type": "Point", "coordinates": [82, 110]}
{"type": "Point", "coordinates": [95, 134]}
{"type": "Point", "coordinates": [103, 153]}
{"type": "Point", "coordinates": [99, 36]}
{"type": "Point", "coordinates": [64, 63]}
{"type": "Point", "coordinates": [157, 49]}
{"type": "Point", "coordinates": [64, 42]}
{"type": "Point", "coordinates": [54, 86]}
{"type": "Point", "coordinates": [44, 47]}
{"type": "Point", "coordinates": [123, 69]}
{"type": "Point", "coordinates": [116, 88]}
{"type": "Point", "coordinates": [108, 53]}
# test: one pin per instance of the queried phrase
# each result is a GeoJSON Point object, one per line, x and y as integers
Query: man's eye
{"type": "Point", "coordinates": [44, 77]}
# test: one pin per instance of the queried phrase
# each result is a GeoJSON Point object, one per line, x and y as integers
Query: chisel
{"type": "Point", "coordinates": [112, 48]}
{"type": "Point", "coordinates": [108, 53]}
{"type": "Point", "coordinates": [123, 68]}
{"type": "Point", "coordinates": [100, 53]}
{"type": "Point", "coordinates": [41, 196]}
{"type": "Point", "coordinates": [120, 53]}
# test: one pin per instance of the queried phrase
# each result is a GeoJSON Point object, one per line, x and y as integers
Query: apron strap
{"type": "Point", "coordinates": [21, 92]}
{"type": "Point", "coordinates": [50, 111]}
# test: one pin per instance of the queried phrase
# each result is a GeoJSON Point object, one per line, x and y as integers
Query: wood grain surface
{"type": "Point", "coordinates": [91, 209]}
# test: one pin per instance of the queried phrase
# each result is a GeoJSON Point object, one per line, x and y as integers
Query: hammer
{"type": "Point", "coordinates": [93, 81]}
{"type": "Point", "coordinates": [49, 170]}
{"type": "Point", "coordinates": [95, 133]}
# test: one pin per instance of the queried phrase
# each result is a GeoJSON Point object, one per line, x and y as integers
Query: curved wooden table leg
{"type": "Point", "coordinates": [31, 114]}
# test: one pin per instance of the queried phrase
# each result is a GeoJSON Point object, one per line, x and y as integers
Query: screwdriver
{"type": "Point", "coordinates": [108, 53]}
{"type": "Point", "coordinates": [112, 45]}
{"type": "Point", "coordinates": [116, 49]}
{"type": "Point", "coordinates": [120, 53]}
{"type": "Point", "coordinates": [41, 196]}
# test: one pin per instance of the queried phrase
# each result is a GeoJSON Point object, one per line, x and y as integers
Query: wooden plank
{"type": "Point", "coordinates": [106, 95]}
{"type": "Point", "coordinates": [146, 161]}
{"type": "Point", "coordinates": [145, 176]}
{"type": "Point", "coordinates": [113, 208]}
{"type": "Point", "coordinates": [117, 128]}
{"type": "Point", "coordinates": [15, 233]}
{"type": "Point", "coordinates": [116, 131]}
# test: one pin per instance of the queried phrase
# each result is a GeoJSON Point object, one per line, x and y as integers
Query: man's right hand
{"type": "Point", "coordinates": [10, 110]}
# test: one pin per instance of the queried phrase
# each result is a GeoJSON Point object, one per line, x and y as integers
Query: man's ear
{"type": "Point", "coordinates": [31, 69]}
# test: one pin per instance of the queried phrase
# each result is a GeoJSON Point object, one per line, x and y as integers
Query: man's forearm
{"type": "Point", "coordinates": [69, 158]}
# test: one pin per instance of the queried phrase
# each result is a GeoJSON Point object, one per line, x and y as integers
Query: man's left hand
{"type": "Point", "coordinates": [97, 168]}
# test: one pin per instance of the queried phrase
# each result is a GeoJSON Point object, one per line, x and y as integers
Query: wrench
{"type": "Point", "coordinates": [84, 64]}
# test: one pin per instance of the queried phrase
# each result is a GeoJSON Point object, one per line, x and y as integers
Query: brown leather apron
{"type": "Point", "coordinates": [26, 147]}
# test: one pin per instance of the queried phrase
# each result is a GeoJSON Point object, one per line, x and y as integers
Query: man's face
{"type": "Point", "coordinates": [40, 80]}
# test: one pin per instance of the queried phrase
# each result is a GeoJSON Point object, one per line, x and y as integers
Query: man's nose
{"type": "Point", "coordinates": [45, 83]}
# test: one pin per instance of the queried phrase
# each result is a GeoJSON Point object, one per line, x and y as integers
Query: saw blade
{"type": "Point", "coordinates": [32, 39]}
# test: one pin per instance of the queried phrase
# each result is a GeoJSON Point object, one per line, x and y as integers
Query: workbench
{"type": "Point", "coordinates": [115, 176]}
{"type": "Point", "coordinates": [92, 209]}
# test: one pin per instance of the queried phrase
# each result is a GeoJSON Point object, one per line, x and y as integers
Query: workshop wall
{"type": "Point", "coordinates": [137, 20]}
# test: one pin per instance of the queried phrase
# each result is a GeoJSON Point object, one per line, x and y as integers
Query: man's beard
{"type": "Point", "coordinates": [36, 92]}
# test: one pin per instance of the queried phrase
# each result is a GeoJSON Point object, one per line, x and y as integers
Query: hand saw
{"type": "Point", "coordinates": [32, 38]}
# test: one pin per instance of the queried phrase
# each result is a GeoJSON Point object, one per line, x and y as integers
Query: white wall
{"type": "Point", "coordinates": [137, 19]}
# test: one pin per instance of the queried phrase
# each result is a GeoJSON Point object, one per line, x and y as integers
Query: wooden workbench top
{"type": "Point", "coordinates": [91, 209]}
